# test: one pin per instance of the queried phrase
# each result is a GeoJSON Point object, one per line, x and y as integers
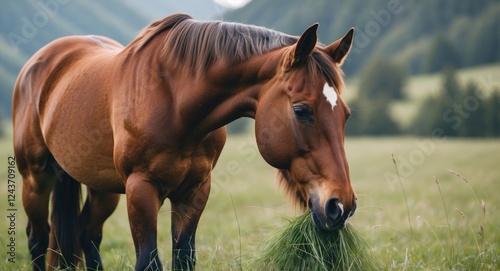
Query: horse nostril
{"type": "Point", "coordinates": [334, 209]}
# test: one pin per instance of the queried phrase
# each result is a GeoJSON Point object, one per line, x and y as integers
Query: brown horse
{"type": "Point", "coordinates": [148, 120]}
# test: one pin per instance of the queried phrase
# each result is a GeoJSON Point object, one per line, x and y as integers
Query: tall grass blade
{"type": "Point", "coordinates": [404, 195]}
{"type": "Point", "coordinates": [447, 221]}
{"type": "Point", "coordinates": [239, 230]}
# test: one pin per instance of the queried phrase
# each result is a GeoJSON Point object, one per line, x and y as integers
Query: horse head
{"type": "Point", "coordinates": [300, 126]}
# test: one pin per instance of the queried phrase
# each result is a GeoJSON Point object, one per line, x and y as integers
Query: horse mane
{"type": "Point", "coordinates": [198, 44]}
{"type": "Point", "coordinates": [155, 28]}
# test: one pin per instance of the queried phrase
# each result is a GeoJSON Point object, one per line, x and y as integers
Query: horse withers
{"type": "Point", "coordinates": [147, 120]}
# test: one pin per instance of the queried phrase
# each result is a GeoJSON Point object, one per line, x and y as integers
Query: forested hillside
{"type": "Point", "coordinates": [26, 26]}
{"type": "Point", "coordinates": [395, 39]}
{"type": "Point", "coordinates": [423, 35]}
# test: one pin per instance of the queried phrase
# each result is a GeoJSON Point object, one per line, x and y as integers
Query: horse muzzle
{"type": "Point", "coordinates": [331, 216]}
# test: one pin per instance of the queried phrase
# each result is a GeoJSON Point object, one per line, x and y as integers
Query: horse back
{"type": "Point", "coordinates": [47, 66]}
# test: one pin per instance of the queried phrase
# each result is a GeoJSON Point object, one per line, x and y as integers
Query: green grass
{"type": "Point", "coordinates": [299, 245]}
{"type": "Point", "coordinates": [454, 223]}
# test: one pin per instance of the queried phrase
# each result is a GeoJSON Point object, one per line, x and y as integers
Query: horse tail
{"type": "Point", "coordinates": [65, 246]}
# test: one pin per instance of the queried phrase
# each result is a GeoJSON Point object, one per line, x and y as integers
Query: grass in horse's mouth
{"type": "Point", "coordinates": [299, 245]}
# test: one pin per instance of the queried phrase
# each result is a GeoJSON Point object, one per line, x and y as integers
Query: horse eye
{"type": "Point", "coordinates": [303, 113]}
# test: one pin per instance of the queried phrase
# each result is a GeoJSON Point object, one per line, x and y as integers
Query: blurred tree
{"type": "Point", "coordinates": [484, 42]}
{"type": "Point", "coordinates": [438, 113]}
{"type": "Point", "coordinates": [382, 78]}
{"type": "Point", "coordinates": [458, 111]}
{"type": "Point", "coordinates": [423, 123]}
{"type": "Point", "coordinates": [441, 54]}
{"type": "Point", "coordinates": [451, 88]}
{"type": "Point", "coordinates": [371, 117]}
{"type": "Point", "coordinates": [446, 116]}
{"type": "Point", "coordinates": [381, 82]}
{"type": "Point", "coordinates": [493, 114]}
{"type": "Point", "coordinates": [472, 112]}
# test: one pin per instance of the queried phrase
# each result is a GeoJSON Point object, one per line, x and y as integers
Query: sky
{"type": "Point", "coordinates": [232, 3]}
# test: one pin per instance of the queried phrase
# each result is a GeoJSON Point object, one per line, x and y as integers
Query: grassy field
{"type": "Point", "coordinates": [451, 224]}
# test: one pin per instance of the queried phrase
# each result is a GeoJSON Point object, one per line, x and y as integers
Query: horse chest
{"type": "Point", "coordinates": [181, 169]}
{"type": "Point", "coordinates": [173, 170]}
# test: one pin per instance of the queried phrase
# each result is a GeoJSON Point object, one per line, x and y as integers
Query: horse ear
{"type": "Point", "coordinates": [306, 44]}
{"type": "Point", "coordinates": [339, 49]}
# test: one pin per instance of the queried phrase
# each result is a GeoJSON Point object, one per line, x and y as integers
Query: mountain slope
{"type": "Point", "coordinates": [401, 29]}
{"type": "Point", "coordinates": [26, 26]}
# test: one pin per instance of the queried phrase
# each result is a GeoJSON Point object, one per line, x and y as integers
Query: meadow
{"type": "Point", "coordinates": [434, 207]}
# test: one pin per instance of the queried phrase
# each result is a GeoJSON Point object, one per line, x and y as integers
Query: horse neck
{"type": "Point", "coordinates": [201, 103]}
{"type": "Point", "coordinates": [225, 92]}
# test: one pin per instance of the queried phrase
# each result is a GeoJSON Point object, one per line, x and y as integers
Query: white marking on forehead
{"type": "Point", "coordinates": [330, 94]}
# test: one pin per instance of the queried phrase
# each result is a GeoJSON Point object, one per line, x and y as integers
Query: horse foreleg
{"type": "Point", "coordinates": [143, 204]}
{"type": "Point", "coordinates": [186, 212]}
{"type": "Point", "coordinates": [98, 207]}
